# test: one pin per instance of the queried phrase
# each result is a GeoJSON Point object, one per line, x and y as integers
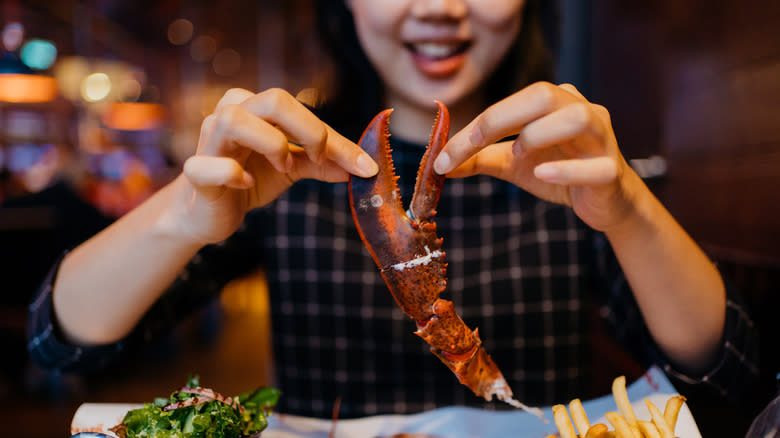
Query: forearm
{"type": "Point", "coordinates": [679, 291]}
{"type": "Point", "coordinates": [104, 286]}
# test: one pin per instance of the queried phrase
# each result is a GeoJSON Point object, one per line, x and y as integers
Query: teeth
{"type": "Point", "coordinates": [436, 50]}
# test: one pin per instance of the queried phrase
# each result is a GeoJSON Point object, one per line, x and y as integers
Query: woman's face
{"type": "Point", "coordinates": [435, 49]}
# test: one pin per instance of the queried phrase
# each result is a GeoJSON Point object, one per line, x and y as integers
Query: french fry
{"type": "Point", "coordinates": [579, 417]}
{"type": "Point", "coordinates": [624, 421]}
{"type": "Point", "coordinates": [551, 436]}
{"type": "Point", "coordinates": [658, 419]}
{"type": "Point", "coordinates": [622, 402]}
{"type": "Point", "coordinates": [597, 431]}
{"type": "Point", "coordinates": [648, 429]}
{"type": "Point", "coordinates": [622, 429]}
{"type": "Point", "coordinates": [562, 421]}
{"type": "Point", "coordinates": [671, 410]}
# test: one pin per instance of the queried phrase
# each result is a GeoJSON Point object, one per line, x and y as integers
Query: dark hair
{"type": "Point", "coordinates": [355, 92]}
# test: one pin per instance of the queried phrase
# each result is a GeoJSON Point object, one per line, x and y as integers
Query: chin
{"type": "Point", "coordinates": [422, 90]}
{"type": "Point", "coordinates": [444, 91]}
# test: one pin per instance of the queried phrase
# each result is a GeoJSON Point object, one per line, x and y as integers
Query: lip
{"type": "Point", "coordinates": [438, 67]}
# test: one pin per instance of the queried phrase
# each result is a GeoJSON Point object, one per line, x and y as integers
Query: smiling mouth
{"type": "Point", "coordinates": [437, 51]}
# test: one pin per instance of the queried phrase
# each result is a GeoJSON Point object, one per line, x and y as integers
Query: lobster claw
{"type": "Point", "coordinates": [409, 255]}
{"type": "Point", "coordinates": [398, 241]}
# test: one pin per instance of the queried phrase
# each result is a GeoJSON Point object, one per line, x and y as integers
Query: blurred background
{"type": "Point", "coordinates": [101, 102]}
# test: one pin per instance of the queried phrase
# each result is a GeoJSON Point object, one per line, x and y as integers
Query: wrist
{"type": "Point", "coordinates": [172, 224]}
{"type": "Point", "coordinates": [639, 209]}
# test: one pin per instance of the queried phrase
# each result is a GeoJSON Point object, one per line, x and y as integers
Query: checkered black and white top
{"type": "Point", "coordinates": [522, 270]}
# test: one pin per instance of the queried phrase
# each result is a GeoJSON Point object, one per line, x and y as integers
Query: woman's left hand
{"type": "Point", "coordinates": [565, 152]}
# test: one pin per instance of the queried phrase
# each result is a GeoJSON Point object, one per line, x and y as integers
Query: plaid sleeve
{"type": "Point", "coordinates": [46, 345]}
{"type": "Point", "coordinates": [196, 286]}
{"type": "Point", "coordinates": [733, 373]}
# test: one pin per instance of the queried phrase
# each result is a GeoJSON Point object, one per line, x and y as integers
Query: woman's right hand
{"type": "Point", "coordinates": [251, 149]}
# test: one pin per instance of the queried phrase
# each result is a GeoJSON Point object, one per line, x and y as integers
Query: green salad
{"type": "Point", "coordinates": [195, 412]}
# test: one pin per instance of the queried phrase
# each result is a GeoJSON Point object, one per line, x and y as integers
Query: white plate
{"type": "Point", "coordinates": [449, 422]}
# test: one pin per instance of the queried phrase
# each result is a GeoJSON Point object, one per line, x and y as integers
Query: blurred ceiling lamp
{"type": "Point", "coordinates": [129, 89]}
{"type": "Point", "coordinates": [38, 54]}
{"type": "Point", "coordinates": [13, 34]}
{"type": "Point", "coordinates": [95, 87]}
{"type": "Point", "coordinates": [226, 62]}
{"type": "Point", "coordinates": [203, 48]}
{"type": "Point", "coordinates": [180, 31]}
{"type": "Point", "coordinates": [70, 72]}
{"type": "Point", "coordinates": [19, 84]}
{"type": "Point", "coordinates": [97, 80]}
{"type": "Point", "coordinates": [134, 116]}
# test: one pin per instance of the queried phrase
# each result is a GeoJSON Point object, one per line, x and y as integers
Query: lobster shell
{"type": "Point", "coordinates": [410, 257]}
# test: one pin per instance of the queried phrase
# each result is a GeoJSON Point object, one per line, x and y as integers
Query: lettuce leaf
{"type": "Point", "coordinates": [210, 419]}
{"type": "Point", "coordinates": [258, 405]}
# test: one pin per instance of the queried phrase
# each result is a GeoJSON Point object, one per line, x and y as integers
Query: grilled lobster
{"type": "Point", "coordinates": [409, 255]}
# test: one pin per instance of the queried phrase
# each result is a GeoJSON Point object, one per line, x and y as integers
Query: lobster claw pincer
{"type": "Point", "coordinates": [409, 254]}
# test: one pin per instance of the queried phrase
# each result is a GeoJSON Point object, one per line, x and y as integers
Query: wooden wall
{"type": "Point", "coordinates": [722, 125]}
{"type": "Point", "coordinates": [699, 83]}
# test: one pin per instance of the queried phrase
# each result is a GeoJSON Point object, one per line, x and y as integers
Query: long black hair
{"type": "Point", "coordinates": [355, 91]}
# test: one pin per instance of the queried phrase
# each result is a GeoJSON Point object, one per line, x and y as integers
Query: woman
{"type": "Point", "coordinates": [549, 221]}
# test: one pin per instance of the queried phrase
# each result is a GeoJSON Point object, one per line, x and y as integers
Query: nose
{"type": "Point", "coordinates": [439, 9]}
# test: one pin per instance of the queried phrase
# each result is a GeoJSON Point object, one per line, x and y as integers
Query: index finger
{"type": "Point", "coordinates": [502, 119]}
{"type": "Point", "coordinates": [318, 140]}
{"type": "Point", "coordinates": [234, 96]}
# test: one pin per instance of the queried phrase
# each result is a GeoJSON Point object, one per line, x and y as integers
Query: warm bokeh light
{"type": "Point", "coordinates": [180, 31]}
{"type": "Point", "coordinates": [309, 96]}
{"type": "Point", "coordinates": [134, 116]}
{"type": "Point", "coordinates": [227, 62]}
{"type": "Point", "coordinates": [27, 88]}
{"type": "Point", "coordinates": [38, 54]}
{"type": "Point", "coordinates": [95, 87]}
{"type": "Point", "coordinates": [246, 295]}
{"type": "Point", "coordinates": [70, 72]}
{"type": "Point", "coordinates": [117, 79]}
{"type": "Point", "coordinates": [203, 48]}
{"type": "Point", "coordinates": [129, 90]}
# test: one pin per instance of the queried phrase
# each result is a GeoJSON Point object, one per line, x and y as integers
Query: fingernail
{"type": "Point", "coordinates": [442, 164]}
{"type": "Point", "coordinates": [366, 165]}
{"type": "Point", "coordinates": [517, 149]}
{"type": "Point", "coordinates": [546, 172]}
{"type": "Point", "coordinates": [476, 138]}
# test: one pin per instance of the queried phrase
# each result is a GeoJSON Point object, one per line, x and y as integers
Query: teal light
{"type": "Point", "coordinates": [38, 54]}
